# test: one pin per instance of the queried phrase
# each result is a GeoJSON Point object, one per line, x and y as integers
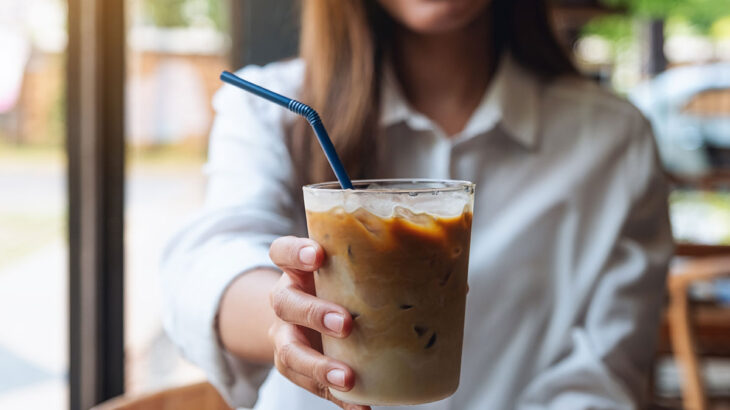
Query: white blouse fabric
{"type": "Point", "coordinates": [569, 252]}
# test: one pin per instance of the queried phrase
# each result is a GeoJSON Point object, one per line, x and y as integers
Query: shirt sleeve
{"type": "Point", "coordinates": [612, 341]}
{"type": "Point", "coordinates": [249, 202]}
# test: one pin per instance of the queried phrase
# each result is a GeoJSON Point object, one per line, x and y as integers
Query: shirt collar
{"type": "Point", "coordinates": [511, 101]}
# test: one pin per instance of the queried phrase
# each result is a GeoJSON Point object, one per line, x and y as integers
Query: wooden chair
{"type": "Point", "coordinates": [697, 329]}
{"type": "Point", "coordinates": [693, 330]}
{"type": "Point", "coordinates": [200, 396]}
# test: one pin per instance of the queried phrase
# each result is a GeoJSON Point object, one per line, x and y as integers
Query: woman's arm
{"type": "Point", "coordinates": [225, 303]}
{"type": "Point", "coordinates": [250, 201]}
{"type": "Point", "coordinates": [266, 316]}
{"type": "Point", "coordinates": [245, 316]}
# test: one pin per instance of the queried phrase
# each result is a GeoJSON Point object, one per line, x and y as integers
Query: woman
{"type": "Point", "coordinates": [570, 233]}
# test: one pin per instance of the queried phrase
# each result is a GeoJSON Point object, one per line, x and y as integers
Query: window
{"type": "Point", "coordinates": [33, 247]}
{"type": "Point", "coordinates": [175, 53]}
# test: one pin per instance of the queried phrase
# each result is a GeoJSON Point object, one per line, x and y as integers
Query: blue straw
{"type": "Point", "coordinates": [301, 109]}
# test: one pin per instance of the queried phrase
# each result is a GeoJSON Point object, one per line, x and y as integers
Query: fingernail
{"type": "Point", "coordinates": [334, 322]}
{"type": "Point", "coordinates": [307, 255]}
{"type": "Point", "coordinates": [336, 377]}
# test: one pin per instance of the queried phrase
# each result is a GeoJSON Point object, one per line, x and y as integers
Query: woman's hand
{"type": "Point", "coordinates": [302, 317]}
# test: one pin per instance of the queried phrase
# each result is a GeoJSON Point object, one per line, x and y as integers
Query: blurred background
{"type": "Point", "coordinates": [670, 57]}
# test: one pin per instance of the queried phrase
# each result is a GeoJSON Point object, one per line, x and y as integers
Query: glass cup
{"type": "Point", "coordinates": [397, 253]}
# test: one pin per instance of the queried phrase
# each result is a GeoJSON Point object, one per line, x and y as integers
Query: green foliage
{"type": "Point", "coordinates": [618, 29]}
{"type": "Point", "coordinates": [217, 13]}
{"type": "Point", "coordinates": [721, 28]}
{"type": "Point", "coordinates": [185, 13]}
{"type": "Point", "coordinates": [647, 8]}
{"type": "Point", "coordinates": [715, 208]}
{"type": "Point", "coordinates": [704, 17]}
{"type": "Point", "coordinates": [701, 14]}
{"type": "Point", "coordinates": [165, 13]}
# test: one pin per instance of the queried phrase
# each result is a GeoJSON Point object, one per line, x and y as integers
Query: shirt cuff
{"type": "Point", "coordinates": [195, 284]}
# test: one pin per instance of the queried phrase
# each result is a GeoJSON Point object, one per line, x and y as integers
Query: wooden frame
{"type": "Point", "coordinates": [238, 11]}
{"type": "Point", "coordinates": [95, 150]}
{"type": "Point", "coordinates": [198, 396]}
{"type": "Point", "coordinates": [682, 322]}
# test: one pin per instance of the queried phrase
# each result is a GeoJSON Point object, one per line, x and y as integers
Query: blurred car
{"type": "Point", "coordinates": [689, 108]}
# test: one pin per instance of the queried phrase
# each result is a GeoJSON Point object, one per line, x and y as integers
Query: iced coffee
{"type": "Point", "coordinates": [397, 253]}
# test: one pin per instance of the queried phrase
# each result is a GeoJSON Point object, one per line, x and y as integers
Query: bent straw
{"type": "Point", "coordinates": [301, 109]}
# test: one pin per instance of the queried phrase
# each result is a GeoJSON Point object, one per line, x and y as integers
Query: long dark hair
{"type": "Point", "coordinates": [343, 44]}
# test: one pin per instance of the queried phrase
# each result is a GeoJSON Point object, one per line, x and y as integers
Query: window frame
{"type": "Point", "coordinates": [95, 150]}
{"type": "Point", "coordinates": [95, 155]}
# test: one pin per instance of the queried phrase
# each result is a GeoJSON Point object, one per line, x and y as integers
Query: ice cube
{"type": "Point", "coordinates": [407, 214]}
{"type": "Point", "coordinates": [372, 223]}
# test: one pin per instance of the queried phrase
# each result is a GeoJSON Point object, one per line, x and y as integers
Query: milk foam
{"type": "Point", "coordinates": [389, 204]}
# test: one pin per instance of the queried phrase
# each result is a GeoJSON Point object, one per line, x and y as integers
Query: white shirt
{"type": "Point", "coordinates": [569, 252]}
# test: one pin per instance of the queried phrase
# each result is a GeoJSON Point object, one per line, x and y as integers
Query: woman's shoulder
{"type": "Point", "coordinates": [283, 77]}
{"type": "Point", "coordinates": [588, 95]}
{"type": "Point", "coordinates": [584, 101]}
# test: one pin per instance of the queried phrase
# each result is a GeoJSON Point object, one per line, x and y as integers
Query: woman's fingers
{"type": "Point", "coordinates": [298, 255]}
{"type": "Point", "coordinates": [293, 302]}
{"type": "Point", "coordinates": [306, 367]}
{"type": "Point", "coordinates": [296, 306]}
{"type": "Point", "coordinates": [322, 391]}
{"type": "Point", "coordinates": [297, 357]}
{"type": "Point", "coordinates": [348, 406]}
